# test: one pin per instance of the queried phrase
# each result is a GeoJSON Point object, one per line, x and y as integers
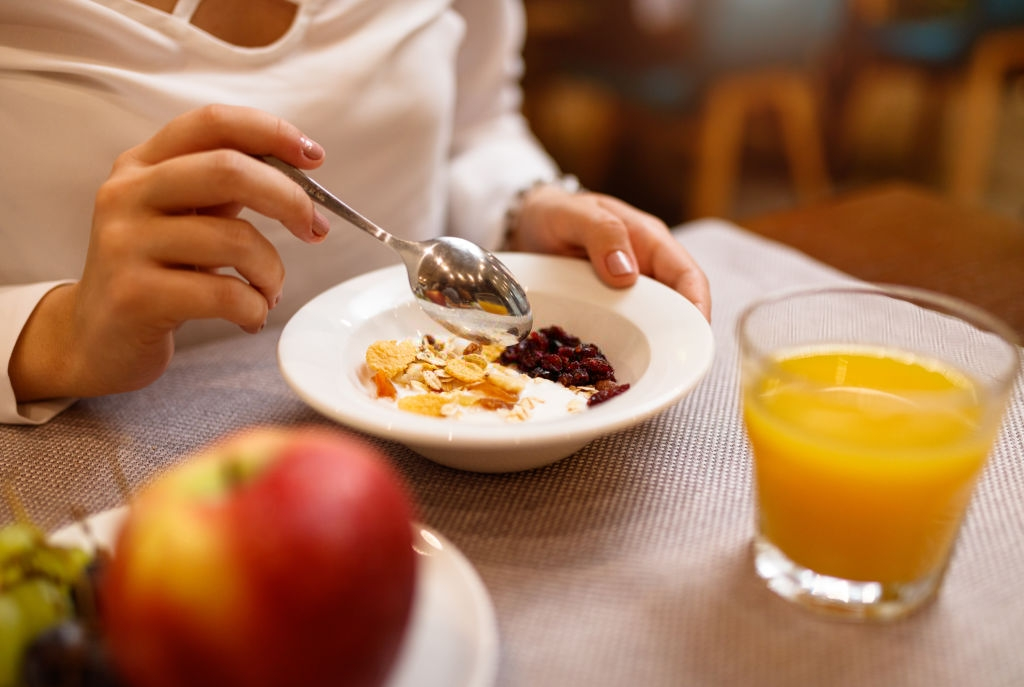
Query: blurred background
{"type": "Point", "coordinates": [733, 108]}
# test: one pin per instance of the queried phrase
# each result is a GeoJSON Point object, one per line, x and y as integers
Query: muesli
{"type": "Point", "coordinates": [550, 372]}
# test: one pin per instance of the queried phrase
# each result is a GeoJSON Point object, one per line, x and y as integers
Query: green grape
{"type": "Point", "coordinates": [27, 609]}
{"type": "Point", "coordinates": [58, 563]}
{"type": "Point", "coordinates": [13, 640]}
{"type": "Point", "coordinates": [36, 580]}
{"type": "Point", "coordinates": [42, 603]}
{"type": "Point", "coordinates": [25, 553]}
{"type": "Point", "coordinates": [17, 542]}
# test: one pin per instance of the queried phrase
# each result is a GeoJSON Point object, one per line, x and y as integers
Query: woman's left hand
{"type": "Point", "coordinates": [620, 240]}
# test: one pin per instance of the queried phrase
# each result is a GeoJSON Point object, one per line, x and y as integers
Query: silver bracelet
{"type": "Point", "coordinates": [567, 182]}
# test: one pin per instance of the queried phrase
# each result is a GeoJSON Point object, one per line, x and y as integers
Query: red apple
{"type": "Point", "coordinates": [277, 557]}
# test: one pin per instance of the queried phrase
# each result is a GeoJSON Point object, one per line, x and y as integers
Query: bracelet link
{"type": "Point", "coordinates": [567, 182]}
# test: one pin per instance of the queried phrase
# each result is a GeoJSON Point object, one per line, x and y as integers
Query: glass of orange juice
{"type": "Point", "coordinates": [870, 411]}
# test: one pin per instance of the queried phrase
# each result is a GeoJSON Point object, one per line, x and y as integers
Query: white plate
{"type": "Point", "coordinates": [453, 633]}
{"type": "Point", "coordinates": [656, 340]}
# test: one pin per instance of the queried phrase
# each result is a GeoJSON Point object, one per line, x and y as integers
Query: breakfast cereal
{"type": "Point", "coordinates": [547, 374]}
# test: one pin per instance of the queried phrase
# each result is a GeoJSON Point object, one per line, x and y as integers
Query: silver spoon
{"type": "Point", "coordinates": [456, 282]}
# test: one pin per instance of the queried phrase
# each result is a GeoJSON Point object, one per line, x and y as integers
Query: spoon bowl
{"type": "Point", "coordinates": [456, 282]}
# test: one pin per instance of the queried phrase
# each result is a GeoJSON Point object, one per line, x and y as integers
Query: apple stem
{"type": "Point", "coordinates": [235, 473]}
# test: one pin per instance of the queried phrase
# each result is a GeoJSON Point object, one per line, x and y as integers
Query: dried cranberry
{"type": "Point", "coordinates": [529, 358]}
{"type": "Point", "coordinates": [544, 374]}
{"type": "Point", "coordinates": [599, 368]}
{"type": "Point", "coordinates": [552, 353]}
{"type": "Point", "coordinates": [605, 394]}
{"type": "Point", "coordinates": [551, 362]}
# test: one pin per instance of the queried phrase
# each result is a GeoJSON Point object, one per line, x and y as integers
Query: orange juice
{"type": "Point", "coordinates": [865, 459]}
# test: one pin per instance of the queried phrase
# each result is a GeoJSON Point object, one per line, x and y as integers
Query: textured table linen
{"type": "Point", "coordinates": [626, 564]}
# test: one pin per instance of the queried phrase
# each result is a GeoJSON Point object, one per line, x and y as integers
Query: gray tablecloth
{"type": "Point", "coordinates": [625, 564]}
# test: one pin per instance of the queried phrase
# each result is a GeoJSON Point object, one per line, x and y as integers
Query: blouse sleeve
{"type": "Point", "coordinates": [494, 154]}
{"type": "Point", "coordinates": [16, 305]}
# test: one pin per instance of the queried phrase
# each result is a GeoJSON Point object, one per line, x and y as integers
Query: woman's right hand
{"type": "Point", "coordinates": [165, 223]}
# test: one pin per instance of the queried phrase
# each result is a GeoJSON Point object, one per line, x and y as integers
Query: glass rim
{"type": "Point", "coordinates": [975, 316]}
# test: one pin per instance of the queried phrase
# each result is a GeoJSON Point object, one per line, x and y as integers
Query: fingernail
{"type": "Point", "coordinates": [320, 225]}
{"type": "Point", "coordinates": [619, 264]}
{"type": "Point", "coordinates": [311, 149]}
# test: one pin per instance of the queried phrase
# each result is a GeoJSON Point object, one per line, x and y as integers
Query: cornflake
{"type": "Point", "coordinates": [390, 357]}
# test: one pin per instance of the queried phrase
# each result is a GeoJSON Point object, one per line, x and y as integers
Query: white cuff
{"type": "Point", "coordinates": [16, 305]}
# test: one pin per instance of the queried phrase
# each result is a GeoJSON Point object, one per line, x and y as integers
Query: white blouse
{"type": "Point", "coordinates": [415, 101]}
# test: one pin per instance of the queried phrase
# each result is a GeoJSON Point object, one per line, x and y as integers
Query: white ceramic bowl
{"type": "Point", "coordinates": [656, 340]}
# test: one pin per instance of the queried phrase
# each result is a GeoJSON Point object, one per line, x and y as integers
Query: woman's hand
{"type": "Point", "coordinates": [165, 223]}
{"type": "Point", "coordinates": [619, 240]}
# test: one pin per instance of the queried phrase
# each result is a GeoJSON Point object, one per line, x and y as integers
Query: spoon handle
{"type": "Point", "coordinates": [323, 197]}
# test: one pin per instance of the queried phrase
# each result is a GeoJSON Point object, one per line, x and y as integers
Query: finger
{"type": "Point", "coordinates": [673, 265]}
{"type": "Point", "coordinates": [579, 225]}
{"type": "Point", "coordinates": [227, 178]}
{"type": "Point", "coordinates": [664, 258]}
{"type": "Point", "coordinates": [226, 126]}
{"type": "Point", "coordinates": [608, 247]}
{"type": "Point", "coordinates": [175, 296]}
{"type": "Point", "coordinates": [607, 231]}
{"type": "Point", "coordinates": [231, 209]}
{"type": "Point", "coordinates": [210, 243]}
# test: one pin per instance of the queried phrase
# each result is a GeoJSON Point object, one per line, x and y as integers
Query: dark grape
{"type": "Point", "coordinates": [69, 654]}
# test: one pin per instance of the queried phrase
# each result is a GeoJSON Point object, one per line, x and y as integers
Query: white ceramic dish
{"type": "Point", "coordinates": [453, 633]}
{"type": "Point", "coordinates": [656, 340]}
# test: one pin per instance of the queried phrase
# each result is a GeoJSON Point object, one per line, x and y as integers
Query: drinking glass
{"type": "Point", "coordinates": [870, 411]}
